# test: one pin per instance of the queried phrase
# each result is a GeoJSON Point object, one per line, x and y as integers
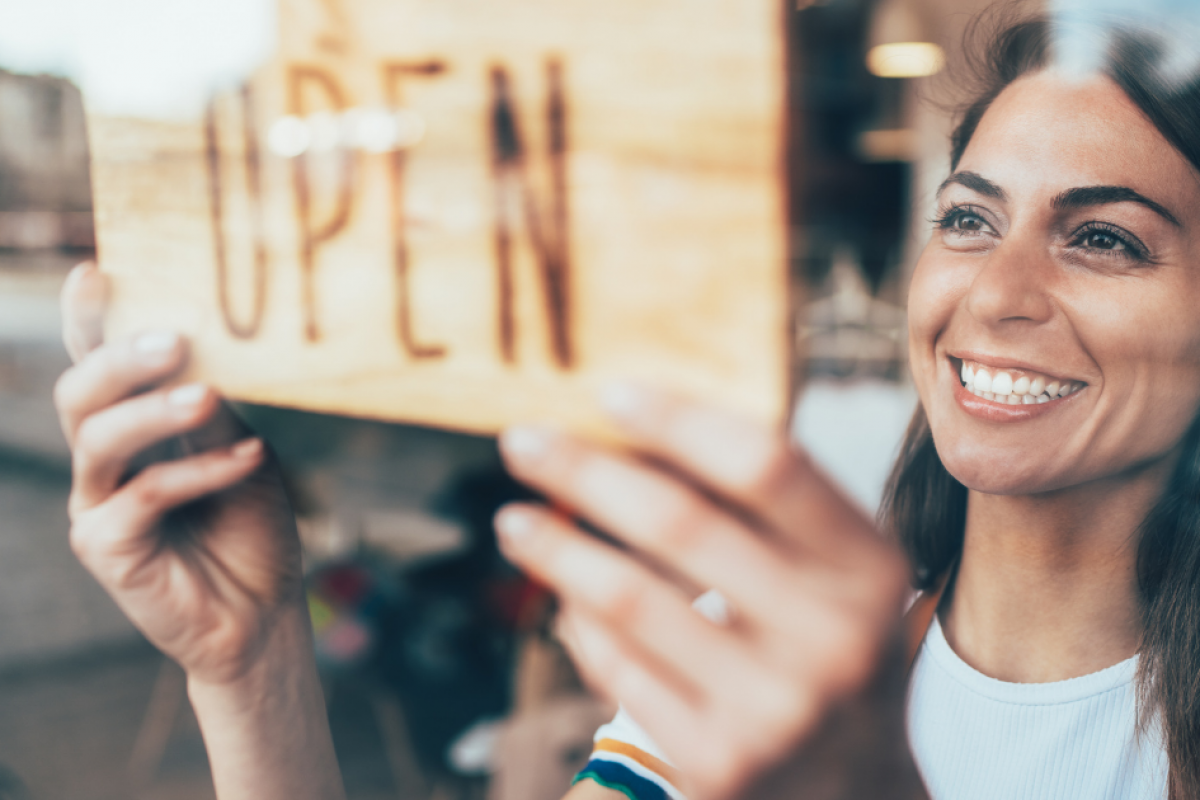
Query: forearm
{"type": "Point", "coordinates": [267, 734]}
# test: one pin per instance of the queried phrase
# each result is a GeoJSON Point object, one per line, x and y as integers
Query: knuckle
{"type": "Point", "coordinates": [81, 542]}
{"type": "Point", "coordinates": [83, 467]}
{"type": "Point", "coordinates": [64, 391]}
{"type": "Point", "coordinates": [148, 490]}
{"type": "Point", "coordinates": [89, 440]}
{"type": "Point", "coordinates": [682, 524]}
{"type": "Point", "coordinates": [775, 466]}
{"type": "Point", "coordinates": [75, 507]}
{"type": "Point", "coordinates": [623, 598]}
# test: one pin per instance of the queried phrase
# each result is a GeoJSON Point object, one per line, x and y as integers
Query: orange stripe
{"type": "Point", "coordinates": [920, 617]}
{"type": "Point", "coordinates": [655, 765]}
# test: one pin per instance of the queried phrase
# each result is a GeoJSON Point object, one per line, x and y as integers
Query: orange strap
{"type": "Point", "coordinates": [920, 617]}
{"type": "Point", "coordinates": [655, 765]}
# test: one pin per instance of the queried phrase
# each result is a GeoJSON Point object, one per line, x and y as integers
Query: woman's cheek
{"type": "Point", "coordinates": [931, 305]}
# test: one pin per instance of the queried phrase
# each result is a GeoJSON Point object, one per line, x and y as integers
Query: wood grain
{"type": "Point", "coordinates": [596, 194]}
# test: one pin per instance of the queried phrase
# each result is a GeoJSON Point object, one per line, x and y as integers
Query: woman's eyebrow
{"type": "Point", "coordinates": [1082, 196]}
{"type": "Point", "coordinates": [975, 182]}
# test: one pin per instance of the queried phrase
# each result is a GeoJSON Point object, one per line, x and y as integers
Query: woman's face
{"type": "Point", "coordinates": [1066, 260]}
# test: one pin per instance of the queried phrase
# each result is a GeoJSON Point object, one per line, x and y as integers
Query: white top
{"type": "Point", "coordinates": [977, 738]}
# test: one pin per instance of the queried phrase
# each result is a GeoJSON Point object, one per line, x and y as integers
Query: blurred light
{"type": "Point", "coordinates": [326, 132]}
{"type": "Point", "coordinates": [905, 59]}
{"type": "Point", "coordinates": [372, 130]}
{"type": "Point", "coordinates": [895, 144]}
{"type": "Point", "coordinates": [900, 43]}
{"type": "Point", "coordinates": [288, 137]}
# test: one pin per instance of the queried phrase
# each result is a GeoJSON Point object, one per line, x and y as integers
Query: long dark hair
{"type": "Point", "coordinates": [926, 508]}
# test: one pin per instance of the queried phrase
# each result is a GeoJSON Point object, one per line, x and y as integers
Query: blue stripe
{"type": "Point", "coordinates": [620, 777]}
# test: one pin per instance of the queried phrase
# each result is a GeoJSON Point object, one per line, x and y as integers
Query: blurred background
{"type": "Point", "coordinates": [441, 677]}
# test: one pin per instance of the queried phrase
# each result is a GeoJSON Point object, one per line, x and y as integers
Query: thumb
{"type": "Point", "coordinates": [84, 300]}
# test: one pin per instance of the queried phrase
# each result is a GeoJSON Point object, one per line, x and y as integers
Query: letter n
{"type": "Point", "coordinates": [547, 228]}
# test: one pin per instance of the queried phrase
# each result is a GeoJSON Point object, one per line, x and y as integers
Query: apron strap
{"type": "Point", "coordinates": [920, 617]}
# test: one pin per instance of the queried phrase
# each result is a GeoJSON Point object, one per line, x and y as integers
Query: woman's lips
{"type": "Point", "coordinates": [1002, 410]}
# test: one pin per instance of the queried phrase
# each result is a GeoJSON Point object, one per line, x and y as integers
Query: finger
{"type": "Point", "coordinates": [650, 614]}
{"type": "Point", "coordinates": [113, 372]}
{"type": "Point", "coordinates": [655, 513]}
{"type": "Point", "coordinates": [112, 534]}
{"type": "Point", "coordinates": [109, 440]}
{"type": "Point", "coordinates": [613, 670]}
{"type": "Point", "coordinates": [83, 300]}
{"type": "Point", "coordinates": [749, 464]}
{"type": "Point", "coordinates": [705, 763]}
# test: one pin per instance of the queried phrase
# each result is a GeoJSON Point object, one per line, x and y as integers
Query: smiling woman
{"type": "Point", "coordinates": [1048, 493]}
{"type": "Point", "coordinates": [1047, 498]}
{"type": "Point", "coordinates": [1051, 475]}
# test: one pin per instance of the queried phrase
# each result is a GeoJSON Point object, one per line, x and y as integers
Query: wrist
{"type": "Point", "coordinates": [266, 729]}
{"type": "Point", "coordinates": [285, 654]}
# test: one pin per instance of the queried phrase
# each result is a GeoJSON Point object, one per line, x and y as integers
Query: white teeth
{"type": "Point", "coordinates": [1004, 389]}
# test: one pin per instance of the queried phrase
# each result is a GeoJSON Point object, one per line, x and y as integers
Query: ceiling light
{"type": "Point", "coordinates": [905, 59]}
{"type": "Point", "coordinates": [900, 42]}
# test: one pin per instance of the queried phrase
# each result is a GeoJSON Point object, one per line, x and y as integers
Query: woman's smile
{"type": "Point", "coordinates": [1013, 385]}
{"type": "Point", "coordinates": [998, 390]}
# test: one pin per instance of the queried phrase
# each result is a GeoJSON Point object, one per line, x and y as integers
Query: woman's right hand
{"type": "Point", "coordinates": [175, 509]}
{"type": "Point", "coordinates": [800, 692]}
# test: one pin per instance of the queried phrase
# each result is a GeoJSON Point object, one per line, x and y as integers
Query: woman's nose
{"type": "Point", "coordinates": [1012, 286]}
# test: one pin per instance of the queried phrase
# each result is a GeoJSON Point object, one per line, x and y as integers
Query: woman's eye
{"type": "Point", "coordinates": [1102, 240]}
{"type": "Point", "coordinates": [1099, 239]}
{"type": "Point", "coordinates": [963, 221]}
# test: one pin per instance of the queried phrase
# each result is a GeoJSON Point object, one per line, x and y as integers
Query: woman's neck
{"type": "Point", "coordinates": [1047, 585]}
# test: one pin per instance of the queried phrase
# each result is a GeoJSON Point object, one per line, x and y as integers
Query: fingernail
{"type": "Point", "coordinates": [514, 524]}
{"type": "Point", "coordinates": [248, 448]}
{"type": "Point", "coordinates": [624, 400]}
{"type": "Point", "coordinates": [526, 443]}
{"type": "Point", "coordinates": [74, 275]}
{"type": "Point", "coordinates": [155, 343]}
{"type": "Point", "coordinates": [189, 395]}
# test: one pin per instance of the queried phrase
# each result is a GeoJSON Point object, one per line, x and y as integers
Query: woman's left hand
{"type": "Point", "coordinates": [783, 699]}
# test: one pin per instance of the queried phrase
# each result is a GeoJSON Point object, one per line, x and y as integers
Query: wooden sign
{"type": "Point", "coordinates": [466, 213]}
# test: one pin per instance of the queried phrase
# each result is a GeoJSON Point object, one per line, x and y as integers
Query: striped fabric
{"type": "Point", "coordinates": [625, 759]}
{"type": "Point", "coordinates": [631, 771]}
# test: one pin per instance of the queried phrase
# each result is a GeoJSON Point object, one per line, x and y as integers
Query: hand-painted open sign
{"type": "Point", "coordinates": [469, 212]}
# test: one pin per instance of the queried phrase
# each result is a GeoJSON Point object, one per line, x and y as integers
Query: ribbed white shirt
{"type": "Point", "coordinates": [977, 738]}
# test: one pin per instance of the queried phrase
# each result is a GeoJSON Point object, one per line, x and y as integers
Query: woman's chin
{"type": "Point", "coordinates": [998, 474]}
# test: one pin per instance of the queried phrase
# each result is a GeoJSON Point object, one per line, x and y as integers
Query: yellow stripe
{"type": "Point", "coordinates": [655, 765]}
